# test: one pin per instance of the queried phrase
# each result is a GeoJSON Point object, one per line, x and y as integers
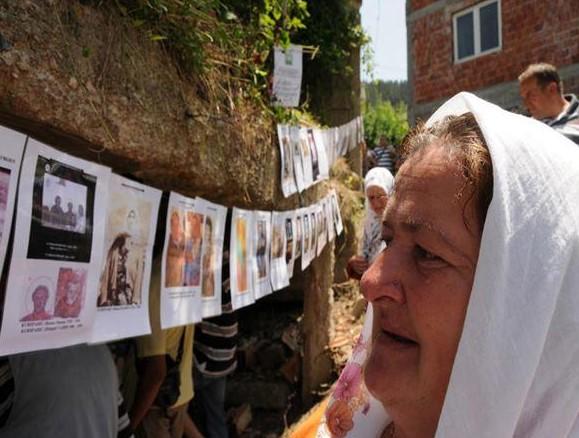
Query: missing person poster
{"type": "Point", "coordinates": [313, 232]}
{"type": "Point", "coordinates": [212, 256]}
{"type": "Point", "coordinates": [182, 268]}
{"type": "Point", "coordinates": [54, 272]}
{"type": "Point", "coordinates": [11, 149]}
{"type": "Point", "coordinates": [304, 212]}
{"type": "Point", "coordinates": [241, 258]}
{"type": "Point", "coordinates": [321, 228]}
{"type": "Point", "coordinates": [307, 160]}
{"type": "Point", "coordinates": [324, 167]}
{"type": "Point", "coordinates": [296, 147]}
{"type": "Point", "coordinates": [123, 294]}
{"type": "Point", "coordinates": [261, 249]}
{"type": "Point", "coordinates": [337, 217]}
{"type": "Point", "coordinates": [288, 183]}
{"type": "Point", "coordinates": [287, 76]}
{"type": "Point", "coordinates": [290, 242]}
{"type": "Point", "coordinates": [279, 273]}
{"type": "Point", "coordinates": [327, 207]}
{"type": "Point", "coordinates": [298, 220]}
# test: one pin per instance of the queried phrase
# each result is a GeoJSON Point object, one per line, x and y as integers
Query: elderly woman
{"type": "Point", "coordinates": [474, 325]}
{"type": "Point", "coordinates": [378, 184]}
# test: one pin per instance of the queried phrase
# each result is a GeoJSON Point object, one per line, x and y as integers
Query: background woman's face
{"type": "Point", "coordinates": [377, 198]}
{"type": "Point", "coordinates": [420, 286]}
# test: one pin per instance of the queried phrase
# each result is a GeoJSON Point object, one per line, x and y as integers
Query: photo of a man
{"type": "Point", "coordinates": [69, 292]}
{"type": "Point", "coordinates": [4, 188]}
{"type": "Point", "coordinates": [208, 281]}
{"type": "Point", "coordinates": [175, 251]}
{"type": "Point", "coordinates": [57, 190]}
{"type": "Point", "coordinates": [260, 252]}
{"type": "Point", "coordinates": [40, 298]}
{"type": "Point", "coordinates": [193, 244]}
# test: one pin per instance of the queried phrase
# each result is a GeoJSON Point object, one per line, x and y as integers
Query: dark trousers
{"type": "Point", "coordinates": [210, 395]}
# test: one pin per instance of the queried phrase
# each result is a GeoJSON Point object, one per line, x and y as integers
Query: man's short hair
{"type": "Point", "coordinates": [544, 74]}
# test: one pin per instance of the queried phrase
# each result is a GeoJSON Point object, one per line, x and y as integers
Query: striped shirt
{"type": "Point", "coordinates": [383, 158]}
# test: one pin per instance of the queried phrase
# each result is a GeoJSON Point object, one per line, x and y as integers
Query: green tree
{"type": "Point", "coordinates": [385, 119]}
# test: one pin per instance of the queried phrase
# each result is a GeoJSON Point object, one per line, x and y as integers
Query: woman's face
{"type": "Point", "coordinates": [377, 198]}
{"type": "Point", "coordinates": [419, 287]}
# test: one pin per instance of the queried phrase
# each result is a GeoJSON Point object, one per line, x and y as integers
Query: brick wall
{"type": "Point", "coordinates": [532, 31]}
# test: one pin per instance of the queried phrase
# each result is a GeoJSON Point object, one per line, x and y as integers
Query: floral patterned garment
{"type": "Point", "coordinates": [352, 411]}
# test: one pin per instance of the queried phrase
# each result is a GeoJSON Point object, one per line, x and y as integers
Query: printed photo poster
{"type": "Point", "coordinates": [212, 255]}
{"type": "Point", "coordinates": [343, 142]}
{"type": "Point", "coordinates": [54, 272]}
{"type": "Point", "coordinates": [314, 153]}
{"type": "Point", "coordinates": [337, 217]}
{"type": "Point", "coordinates": [261, 249]}
{"type": "Point", "coordinates": [305, 247]}
{"type": "Point", "coordinates": [288, 183]}
{"type": "Point", "coordinates": [182, 267]}
{"type": "Point", "coordinates": [327, 206]}
{"type": "Point", "coordinates": [296, 147]}
{"type": "Point", "coordinates": [279, 273]}
{"type": "Point", "coordinates": [290, 242]}
{"type": "Point", "coordinates": [319, 141]}
{"type": "Point", "coordinates": [287, 76]}
{"type": "Point", "coordinates": [11, 149]}
{"type": "Point", "coordinates": [352, 135]}
{"type": "Point", "coordinates": [313, 231]}
{"type": "Point", "coordinates": [123, 293]}
{"type": "Point", "coordinates": [306, 153]}
{"type": "Point", "coordinates": [241, 259]}
{"type": "Point", "coordinates": [321, 229]}
{"type": "Point", "coordinates": [359, 129]}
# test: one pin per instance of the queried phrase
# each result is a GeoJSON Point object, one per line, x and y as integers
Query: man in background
{"type": "Point", "coordinates": [382, 155]}
{"type": "Point", "coordinates": [542, 92]}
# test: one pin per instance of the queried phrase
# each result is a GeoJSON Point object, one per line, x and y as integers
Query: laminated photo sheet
{"type": "Point", "coordinates": [327, 205]}
{"type": "Point", "coordinates": [306, 238]}
{"type": "Point", "coordinates": [337, 217]}
{"type": "Point", "coordinates": [306, 154]}
{"type": "Point", "coordinates": [212, 255]}
{"type": "Point", "coordinates": [12, 145]}
{"type": "Point", "coordinates": [314, 154]}
{"type": "Point", "coordinates": [54, 271]}
{"type": "Point", "coordinates": [261, 249]}
{"type": "Point", "coordinates": [279, 274]}
{"type": "Point", "coordinates": [182, 268]}
{"type": "Point", "coordinates": [294, 136]}
{"type": "Point", "coordinates": [123, 293]}
{"type": "Point", "coordinates": [288, 183]}
{"type": "Point", "coordinates": [321, 230]}
{"type": "Point", "coordinates": [240, 258]}
{"type": "Point", "coordinates": [319, 140]}
{"type": "Point", "coordinates": [287, 76]}
{"type": "Point", "coordinates": [290, 242]}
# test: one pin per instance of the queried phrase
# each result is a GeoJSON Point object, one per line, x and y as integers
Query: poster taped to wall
{"type": "Point", "coordinates": [11, 149]}
{"type": "Point", "coordinates": [54, 271]}
{"type": "Point", "coordinates": [241, 259]}
{"type": "Point", "coordinates": [294, 135]}
{"type": "Point", "coordinates": [123, 295]}
{"type": "Point", "coordinates": [279, 273]}
{"type": "Point", "coordinates": [290, 239]}
{"type": "Point", "coordinates": [182, 268]}
{"type": "Point", "coordinates": [288, 183]}
{"type": "Point", "coordinates": [261, 249]}
{"type": "Point", "coordinates": [212, 257]}
{"type": "Point", "coordinates": [337, 217]}
{"type": "Point", "coordinates": [287, 76]}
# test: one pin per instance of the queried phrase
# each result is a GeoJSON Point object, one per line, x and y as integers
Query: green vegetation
{"type": "Point", "coordinates": [385, 119]}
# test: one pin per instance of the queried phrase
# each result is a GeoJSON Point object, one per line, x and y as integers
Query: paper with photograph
{"type": "Point", "coordinates": [288, 182]}
{"type": "Point", "coordinates": [53, 280]}
{"type": "Point", "coordinates": [279, 272]}
{"type": "Point", "coordinates": [261, 249]}
{"type": "Point", "coordinates": [182, 267]}
{"type": "Point", "coordinates": [337, 217]}
{"type": "Point", "coordinates": [213, 234]}
{"type": "Point", "coordinates": [319, 141]}
{"type": "Point", "coordinates": [296, 147]}
{"type": "Point", "coordinates": [306, 153]}
{"type": "Point", "coordinates": [312, 209]}
{"type": "Point", "coordinates": [322, 230]}
{"type": "Point", "coordinates": [287, 76]}
{"type": "Point", "coordinates": [298, 227]}
{"type": "Point", "coordinates": [241, 258]}
{"type": "Point", "coordinates": [123, 295]}
{"type": "Point", "coordinates": [327, 206]}
{"type": "Point", "coordinates": [314, 153]}
{"type": "Point", "coordinates": [290, 242]}
{"type": "Point", "coordinates": [12, 145]}
{"type": "Point", "coordinates": [306, 237]}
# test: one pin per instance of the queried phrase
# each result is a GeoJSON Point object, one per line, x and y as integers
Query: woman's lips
{"type": "Point", "coordinates": [399, 339]}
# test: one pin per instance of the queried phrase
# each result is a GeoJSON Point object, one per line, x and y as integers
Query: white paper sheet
{"type": "Point", "coordinates": [182, 268]}
{"type": "Point", "coordinates": [319, 140]}
{"type": "Point", "coordinates": [287, 76]}
{"type": "Point", "coordinates": [288, 182]}
{"type": "Point", "coordinates": [313, 232]}
{"type": "Point", "coordinates": [261, 235]}
{"type": "Point", "coordinates": [299, 227]}
{"type": "Point", "coordinates": [321, 229]}
{"type": "Point", "coordinates": [11, 149]}
{"type": "Point", "coordinates": [212, 255]}
{"type": "Point", "coordinates": [123, 294]}
{"type": "Point", "coordinates": [241, 258]}
{"type": "Point", "coordinates": [336, 213]}
{"type": "Point", "coordinates": [279, 273]}
{"type": "Point", "coordinates": [306, 238]}
{"type": "Point", "coordinates": [327, 205]}
{"type": "Point", "coordinates": [290, 239]}
{"type": "Point", "coordinates": [294, 135]}
{"type": "Point", "coordinates": [314, 153]}
{"type": "Point", "coordinates": [54, 272]}
{"type": "Point", "coordinates": [306, 153]}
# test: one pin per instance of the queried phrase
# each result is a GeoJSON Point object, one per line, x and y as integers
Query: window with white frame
{"type": "Point", "coordinates": [477, 30]}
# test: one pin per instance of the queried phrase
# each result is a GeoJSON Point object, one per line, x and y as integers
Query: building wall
{"type": "Point", "coordinates": [532, 31]}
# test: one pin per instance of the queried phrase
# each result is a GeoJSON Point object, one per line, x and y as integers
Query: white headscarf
{"type": "Point", "coordinates": [516, 372]}
{"type": "Point", "coordinates": [372, 242]}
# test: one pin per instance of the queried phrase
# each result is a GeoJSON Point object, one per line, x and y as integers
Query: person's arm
{"type": "Point", "coordinates": [6, 390]}
{"type": "Point", "coordinates": [152, 371]}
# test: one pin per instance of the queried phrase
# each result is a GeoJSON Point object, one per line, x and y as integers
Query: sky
{"type": "Point", "coordinates": [385, 22]}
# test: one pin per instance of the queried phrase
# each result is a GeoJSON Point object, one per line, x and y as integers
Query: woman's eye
{"type": "Point", "coordinates": [429, 258]}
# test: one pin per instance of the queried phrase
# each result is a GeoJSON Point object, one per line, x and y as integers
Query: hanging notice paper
{"type": "Point", "coordinates": [305, 238]}
{"type": "Point", "coordinates": [294, 136]}
{"type": "Point", "coordinates": [182, 266]}
{"type": "Point", "coordinates": [54, 272]}
{"type": "Point", "coordinates": [336, 213]}
{"type": "Point", "coordinates": [321, 228]}
{"type": "Point", "coordinates": [288, 182]}
{"type": "Point", "coordinates": [327, 206]}
{"type": "Point", "coordinates": [287, 76]}
{"type": "Point", "coordinates": [279, 274]}
{"type": "Point", "coordinates": [298, 216]}
{"type": "Point", "coordinates": [213, 232]}
{"type": "Point", "coordinates": [290, 242]}
{"type": "Point", "coordinates": [307, 161]}
{"type": "Point", "coordinates": [241, 258]}
{"type": "Point", "coordinates": [123, 295]}
{"type": "Point", "coordinates": [11, 150]}
{"type": "Point", "coordinates": [261, 247]}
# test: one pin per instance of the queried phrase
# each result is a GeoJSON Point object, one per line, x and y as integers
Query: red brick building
{"type": "Point", "coordinates": [482, 47]}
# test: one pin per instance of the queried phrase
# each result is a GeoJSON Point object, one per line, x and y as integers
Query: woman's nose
{"type": "Point", "coordinates": [383, 279]}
